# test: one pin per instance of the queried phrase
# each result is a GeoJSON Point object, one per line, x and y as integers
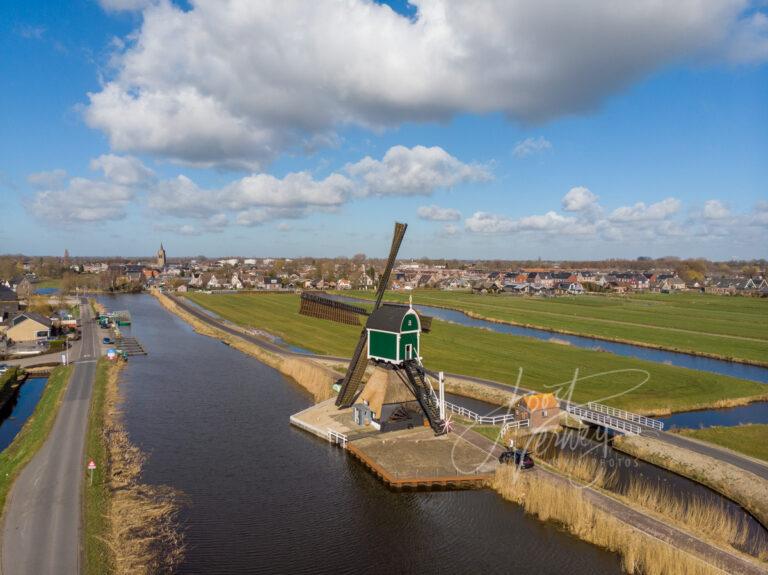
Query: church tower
{"type": "Point", "coordinates": [161, 259]}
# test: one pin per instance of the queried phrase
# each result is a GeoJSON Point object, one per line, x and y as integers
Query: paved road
{"type": "Point", "coordinates": [41, 531]}
{"type": "Point", "coordinates": [728, 456]}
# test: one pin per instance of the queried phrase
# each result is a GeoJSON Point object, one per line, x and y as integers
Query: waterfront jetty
{"type": "Point", "coordinates": [407, 459]}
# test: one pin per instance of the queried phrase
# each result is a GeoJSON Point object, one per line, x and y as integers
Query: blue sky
{"type": "Point", "coordinates": [222, 128]}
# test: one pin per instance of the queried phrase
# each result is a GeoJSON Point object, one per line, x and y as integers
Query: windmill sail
{"type": "Point", "coordinates": [350, 385]}
{"type": "Point", "coordinates": [355, 373]}
{"type": "Point", "coordinates": [315, 304]}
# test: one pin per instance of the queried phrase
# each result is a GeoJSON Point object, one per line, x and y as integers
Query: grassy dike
{"type": "Point", "coordinates": [750, 439]}
{"type": "Point", "coordinates": [35, 431]}
{"type": "Point", "coordinates": [567, 504]}
{"type": "Point", "coordinates": [603, 377]}
{"type": "Point", "coordinates": [311, 375]}
{"type": "Point", "coordinates": [739, 485]}
{"type": "Point", "coordinates": [98, 557]}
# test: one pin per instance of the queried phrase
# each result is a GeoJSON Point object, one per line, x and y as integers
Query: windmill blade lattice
{"type": "Point", "coordinates": [315, 304]}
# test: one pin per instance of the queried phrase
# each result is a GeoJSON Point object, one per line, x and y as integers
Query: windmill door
{"type": "Point", "coordinates": [408, 351]}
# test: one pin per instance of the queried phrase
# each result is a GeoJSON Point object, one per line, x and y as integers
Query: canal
{"type": "Point", "coordinates": [263, 497]}
{"type": "Point", "coordinates": [15, 413]}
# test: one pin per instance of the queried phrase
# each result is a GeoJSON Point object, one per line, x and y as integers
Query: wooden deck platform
{"type": "Point", "coordinates": [411, 459]}
{"type": "Point", "coordinates": [130, 345]}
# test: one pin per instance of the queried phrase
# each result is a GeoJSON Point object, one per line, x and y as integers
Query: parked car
{"type": "Point", "coordinates": [519, 457]}
{"type": "Point", "coordinates": [107, 341]}
{"type": "Point", "coordinates": [4, 367]}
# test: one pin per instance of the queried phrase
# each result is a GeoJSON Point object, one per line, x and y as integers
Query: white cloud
{"type": "Point", "coordinates": [531, 146]}
{"type": "Point", "coordinates": [715, 210]}
{"type": "Point", "coordinates": [578, 199]}
{"type": "Point", "coordinates": [749, 43]}
{"type": "Point", "coordinates": [51, 179]}
{"type": "Point", "coordinates": [449, 231]}
{"type": "Point", "coordinates": [82, 200]}
{"type": "Point", "coordinates": [437, 214]}
{"type": "Point", "coordinates": [258, 198]}
{"type": "Point", "coordinates": [487, 223]}
{"type": "Point", "coordinates": [642, 213]}
{"type": "Point", "coordinates": [235, 83]}
{"type": "Point", "coordinates": [413, 171]}
{"type": "Point", "coordinates": [125, 170]}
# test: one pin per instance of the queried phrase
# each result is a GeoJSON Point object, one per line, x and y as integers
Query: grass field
{"type": "Point", "coordinates": [481, 353]}
{"type": "Point", "coordinates": [750, 439]}
{"type": "Point", "coordinates": [729, 327]}
{"type": "Point", "coordinates": [96, 497]}
{"type": "Point", "coordinates": [33, 434]}
{"type": "Point", "coordinates": [49, 283]}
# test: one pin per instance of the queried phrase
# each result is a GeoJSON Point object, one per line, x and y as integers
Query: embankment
{"type": "Point", "coordinates": [129, 527]}
{"type": "Point", "coordinates": [552, 498]}
{"type": "Point", "coordinates": [745, 488]}
{"type": "Point", "coordinates": [312, 376]}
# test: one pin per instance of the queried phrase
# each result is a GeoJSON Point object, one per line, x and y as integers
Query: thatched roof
{"type": "Point", "coordinates": [384, 387]}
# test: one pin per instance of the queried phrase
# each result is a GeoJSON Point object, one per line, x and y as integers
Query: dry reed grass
{"type": "Point", "coordinates": [743, 487]}
{"type": "Point", "coordinates": [709, 519]}
{"type": "Point", "coordinates": [588, 470]}
{"type": "Point", "coordinates": [566, 505]}
{"type": "Point", "coordinates": [143, 533]}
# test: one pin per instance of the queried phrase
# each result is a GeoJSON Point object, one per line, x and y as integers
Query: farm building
{"type": "Point", "coordinates": [394, 333]}
{"type": "Point", "coordinates": [541, 409]}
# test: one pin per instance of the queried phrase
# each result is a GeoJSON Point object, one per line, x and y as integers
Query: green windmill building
{"type": "Point", "coordinates": [394, 332]}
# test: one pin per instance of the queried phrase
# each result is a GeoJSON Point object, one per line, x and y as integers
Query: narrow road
{"type": "Point", "coordinates": [42, 524]}
{"type": "Point", "coordinates": [728, 456]}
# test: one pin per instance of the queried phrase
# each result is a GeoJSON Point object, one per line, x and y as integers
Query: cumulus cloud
{"type": "Point", "coordinates": [233, 83]}
{"type": "Point", "coordinates": [578, 199]}
{"type": "Point", "coordinates": [82, 200]}
{"type": "Point", "coordinates": [642, 213]}
{"type": "Point", "coordinates": [258, 198]}
{"type": "Point", "coordinates": [488, 223]}
{"type": "Point", "coordinates": [437, 214]}
{"type": "Point", "coordinates": [413, 171]}
{"type": "Point", "coordinates": [50, 179]}
{"type": "Point", "coordinates": [531, 146]}
{"type": "Point", "coordinates": [715, 210]}
{"type": "Point", "coordinates": [125, 170]}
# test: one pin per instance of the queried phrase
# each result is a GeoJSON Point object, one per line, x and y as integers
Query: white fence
{"type": "Point", "coordinates": [605, 420]}
{"type": "Point", "coordinates": [482, 419]}
{"type": "Point", "coordinates": [515, 425]}
{"type": "Point", "coordinates": [337, 438]}
{"type": "Point", "coordinates": [628, 415]}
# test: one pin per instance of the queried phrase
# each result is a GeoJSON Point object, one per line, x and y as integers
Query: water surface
{"type": "Point", "coordinates": [16, 412]}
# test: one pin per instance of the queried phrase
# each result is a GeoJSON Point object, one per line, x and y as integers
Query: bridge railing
{"type": "Point", "coordinates": [476, 417]}
{"type": "Point", "coordinates": [628, 415]}
{"type": "Point", "coordinates": [515, 425]}
{"type": "Point", "coordinates": [605, 420]}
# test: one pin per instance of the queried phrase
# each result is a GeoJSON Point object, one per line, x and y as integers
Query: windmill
{"type": "Point", "coordinates": [390, 341]}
